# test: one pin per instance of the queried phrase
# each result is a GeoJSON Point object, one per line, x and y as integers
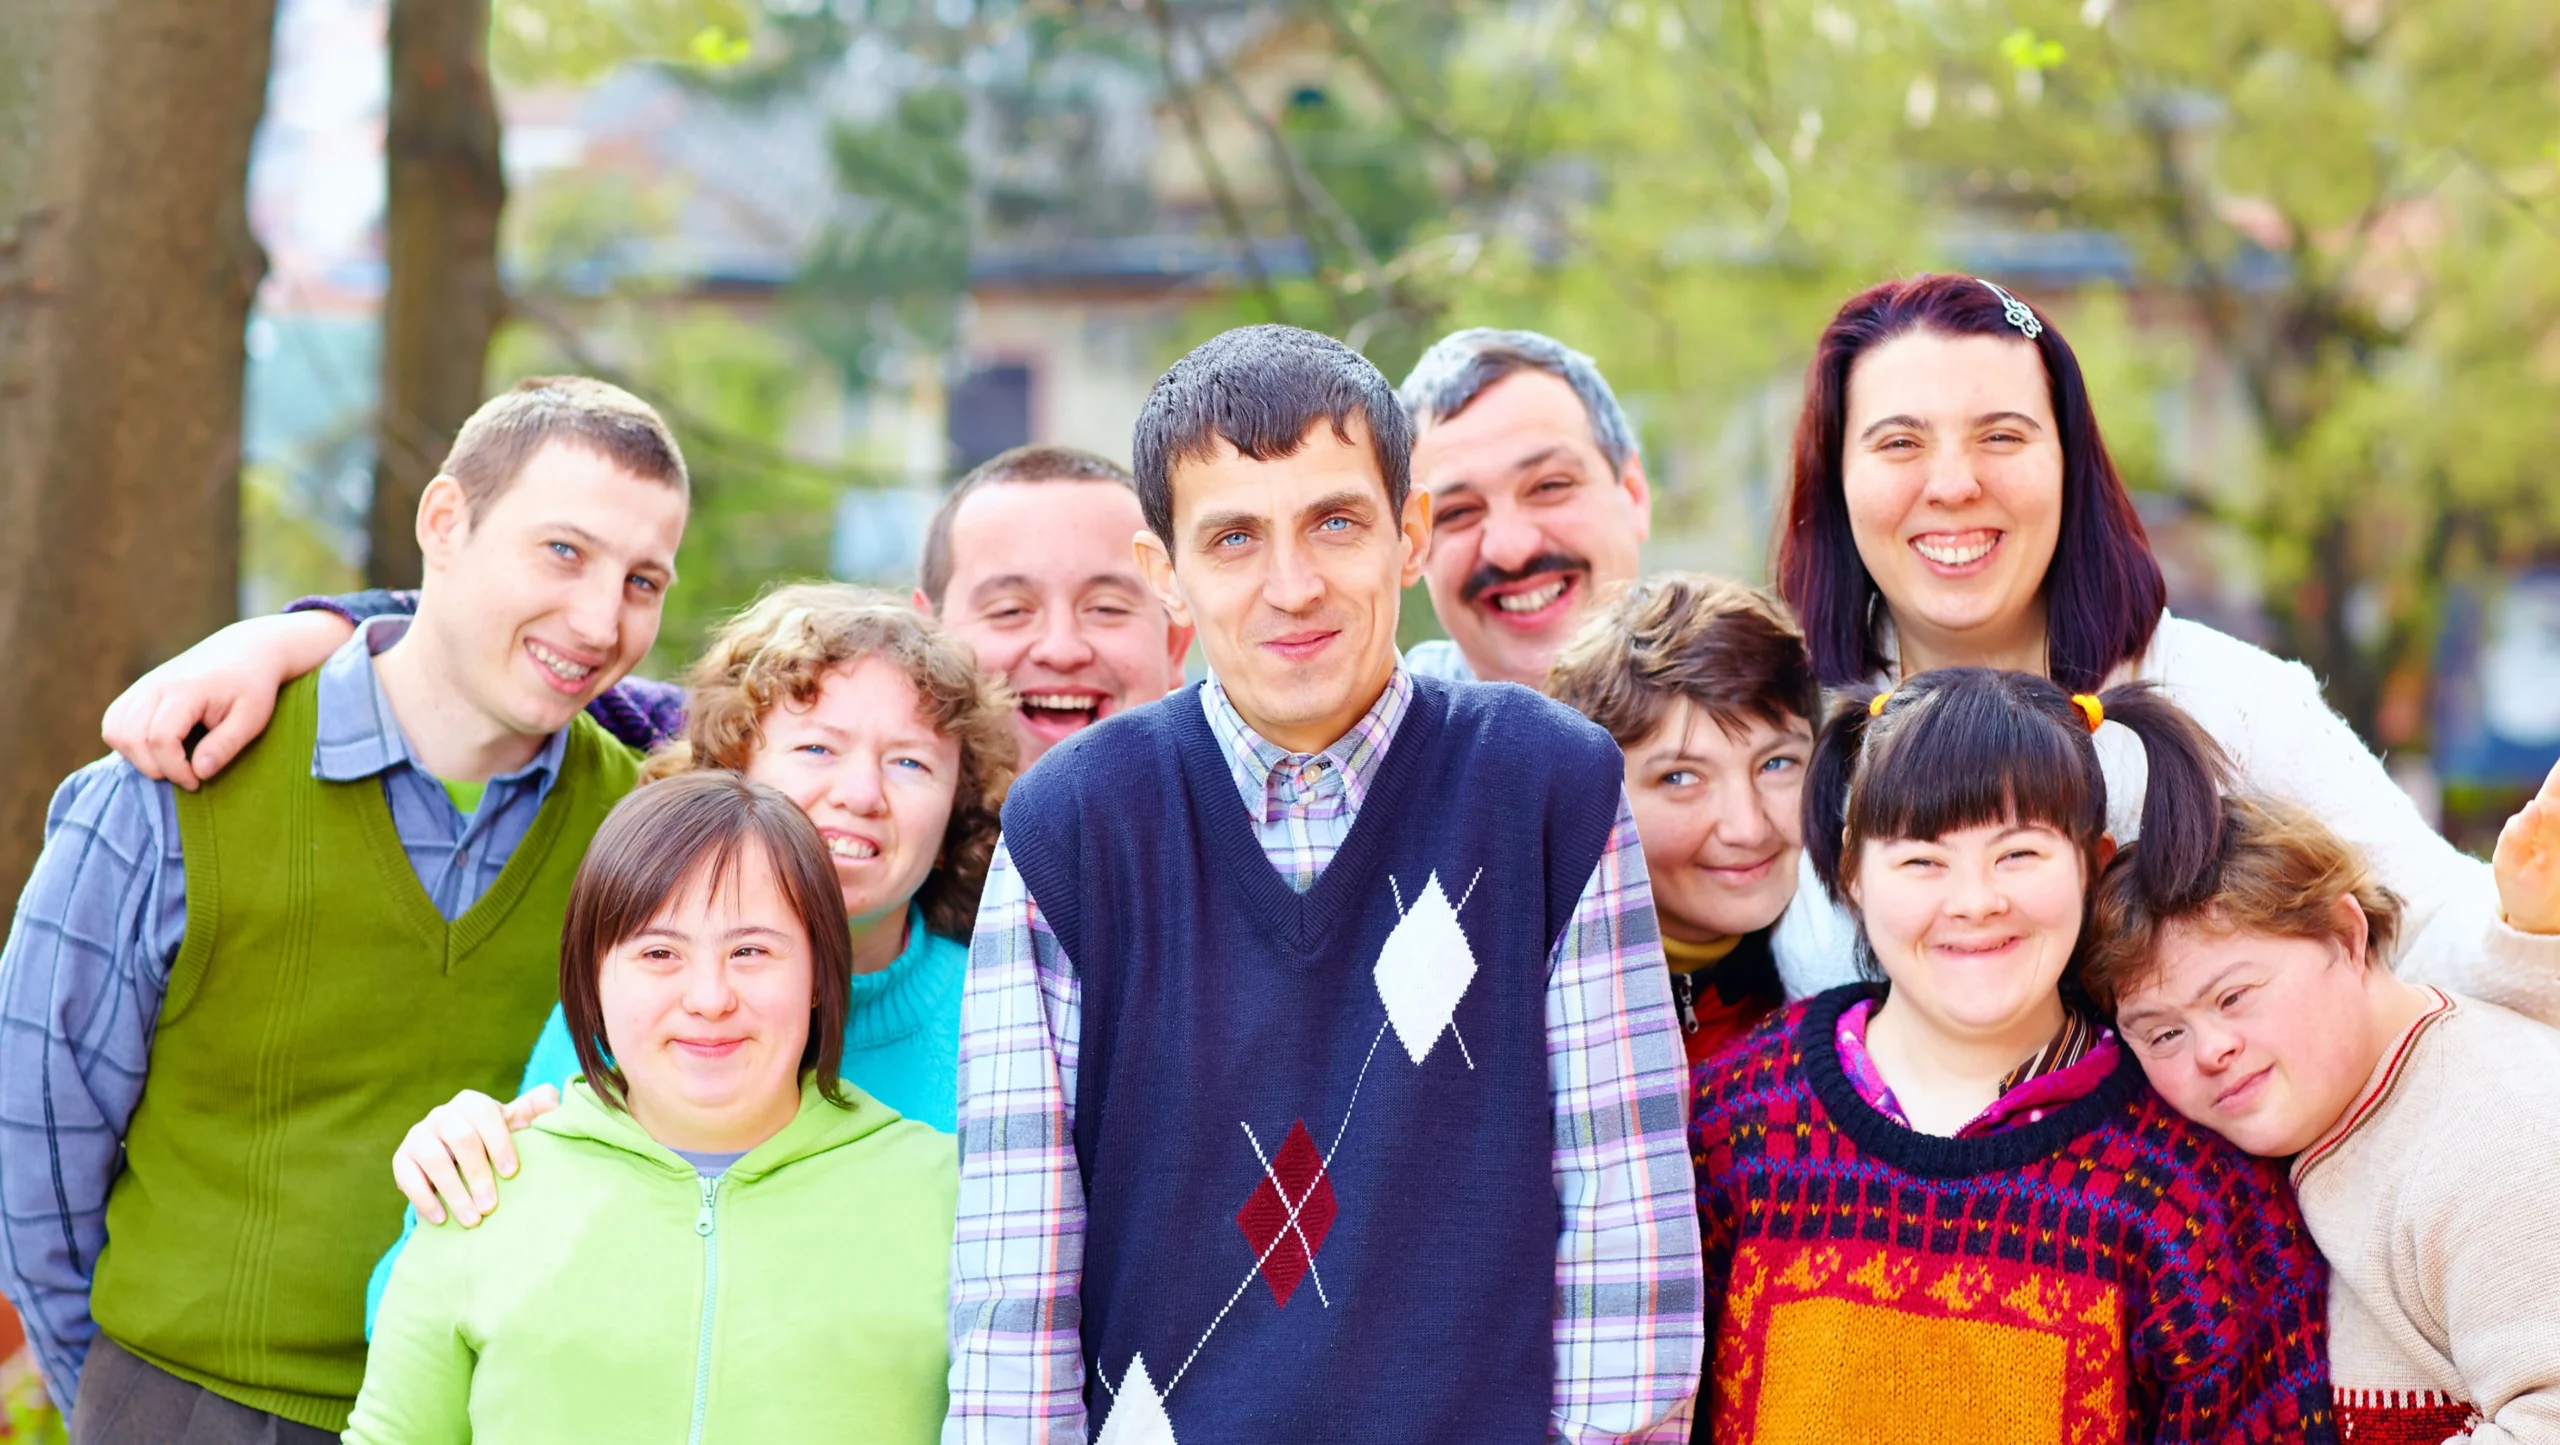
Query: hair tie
{"type": "Point", "coordinates": [2090, 708]}
{"type": "Point", "coordinates": [1875, 705]}
{"type": "Point", "coordinates": [2016, 312]}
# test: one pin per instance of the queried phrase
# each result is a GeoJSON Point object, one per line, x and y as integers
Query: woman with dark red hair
{"type": "Point", "coordinates": [1954, 505]}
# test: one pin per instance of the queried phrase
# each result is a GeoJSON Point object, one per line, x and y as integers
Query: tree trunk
{"type": "Point", "coordinates": [126, 273]}
{"type": "Point", "coordinates": [446, 191]}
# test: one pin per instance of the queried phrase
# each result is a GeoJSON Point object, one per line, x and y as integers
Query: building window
{"type": "Point", "coordinates": [990, 413]}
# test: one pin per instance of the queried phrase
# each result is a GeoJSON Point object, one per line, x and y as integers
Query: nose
{"type": "Point", "coordinates": [1061, 645]}
{"type": "Point", "coordinates": [1951, 480]}
{"type": "Point", "coordinates": [2217, 1046]}
{"type": "Point", "coordinates": [1973, 893]}
{"type": "Point", "coordinates": [855, 785]}
{"type": "Point", "coordinates": [1508, 538]}
{"type": "Point", "coordinates": [1741, 818]}
{"type": "Point", "coordinates": [707, 991]}
{"type": "Point", "coordinates": [1292, 584]}
{"type": "Point", "coordinates": [594, 614]}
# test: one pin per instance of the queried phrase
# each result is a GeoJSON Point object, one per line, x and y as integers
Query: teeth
{"type": "Point", "coordinates": [853, 848]}
{"type": "Point", "coordinates": [1532, 600]}
{"type": "Point", "coordinates": [1954, 556]}
{"type": "Point", "coordinates": [561, 667]}
{"type": "Point", "coordinates": [1059, 701]}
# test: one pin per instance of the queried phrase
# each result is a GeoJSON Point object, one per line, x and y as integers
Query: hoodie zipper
{"type": "Point", "coordinates": [707, 1225]}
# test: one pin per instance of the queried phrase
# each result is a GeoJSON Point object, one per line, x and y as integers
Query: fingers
{"type": "Point", "coordinates": [234, 728]}
{"type": "Point", "coordinates": [492, 1126]}
{"type": "Point", "coordinates": [535, 1102]}
{"type": "Point", "coordinates": [175, 715]}
{"type": "Point", "coordinates": [415, 1169]}
{"type": "Point", "coordinates": [459, 1128]}
{"type": "Point", "coordinates": [128, 717]}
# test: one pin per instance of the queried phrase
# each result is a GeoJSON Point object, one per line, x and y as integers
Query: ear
{"type": "Point", "coordinates": [1177, 645]}
{"type": "Point", "coordinates": [1639, 491]}
{"type": "Point", "coordinates": [923, 603]}
{"type": "Point", "coordinates": [1415, 524]}
{"type": "Point", "coordinates": [2352, 929]}
{"type": "Point", "coordinates": [2105, 853]}
{"type": "Point", "coordinates": [444, 522]}
{"type": "Point", "coordinates": [1155, 563]}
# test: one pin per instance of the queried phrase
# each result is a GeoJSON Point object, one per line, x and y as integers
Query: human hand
{"type": "Point", "coordinates": [2527, 863]}
{"type": "Point", "coordinates": [446, 1159]}
{"type": "Point", "coordinates": [226, 684]}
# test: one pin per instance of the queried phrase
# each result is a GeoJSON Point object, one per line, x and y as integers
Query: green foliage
{"type": "Point", "coordinates": [538, 40]}
{"type": "Point", "coordinates": [890, 283]}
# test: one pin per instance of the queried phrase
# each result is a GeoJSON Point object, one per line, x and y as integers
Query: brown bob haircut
{"type": "Point", "coordinates": [659, 842]}
{"type": "Point", "coordinates": [1966, 746]}
{"type": "Point", "coordinates": [493, 446]}
{"type": "Point", "coordinates": [1731, 649]}
{"type": "Point", "coordinates": [2276, 870]}
{"type": "Point", "coordinates": [2103, 591]}
{"type": "Point", "coordinates": [778, 653]}
{"type": "Point", "coordinates": [1020, 465]}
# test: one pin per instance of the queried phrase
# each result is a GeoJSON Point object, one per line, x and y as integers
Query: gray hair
{"type": "Point", "coordinates": [1460, 365]}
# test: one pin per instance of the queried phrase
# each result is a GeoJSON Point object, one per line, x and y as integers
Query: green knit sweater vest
{"type": "Point", "coordinates": [319, 1007]}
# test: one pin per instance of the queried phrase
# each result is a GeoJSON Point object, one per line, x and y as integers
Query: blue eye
{"type": "Point", "coordinates": [1333, 524]}
{"type": "Point", "coordinates": [563, 551]}
{"type": "Point", "coordinates": [1227, 537]}
{"type": "Point", "coordinates": [644, 584]}
{"type": "Point", "coordinates": [914, 763]}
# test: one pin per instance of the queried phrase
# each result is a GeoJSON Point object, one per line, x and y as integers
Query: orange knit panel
{"type": "Point", "coordinates": [1834, 1341]}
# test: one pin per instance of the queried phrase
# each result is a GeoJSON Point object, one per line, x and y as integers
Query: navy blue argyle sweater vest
{"type": "Point", "coordinates": [1316, 1129]}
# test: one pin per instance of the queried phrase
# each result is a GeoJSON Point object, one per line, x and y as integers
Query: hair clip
{"type": "Point", "coordinates": [1875, 705]}
{"type": "Point", "coordinates": [2090, 708]}
{"type": "Point", "coordinates": [2016, 312]}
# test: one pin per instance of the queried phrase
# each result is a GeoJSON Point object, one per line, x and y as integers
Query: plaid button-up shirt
{"type": "Point", "coordinates": [1629, 1331]}
{"type": "Point", "coordinates": [88, 959]}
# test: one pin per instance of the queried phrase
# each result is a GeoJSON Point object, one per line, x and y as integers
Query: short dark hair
{"type": "Point", "coordinates": [1021, 464]}
{"type": "Point", "coordinates": [1260, 388]}
{"type": "Point", "coordinates": [1459, 366]}
{"type": "Point", "coordinates": [649, 849]}
{"type": "Point", "coordinates": [2103, 592]}
{"type": "Point", "coordinates": [1729, 648]}
{"type": "Point", "coordinates": [498, 439]}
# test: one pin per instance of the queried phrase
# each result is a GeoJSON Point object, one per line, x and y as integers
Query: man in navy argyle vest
{"type": "Point", "coordinates": [1319, 1076]}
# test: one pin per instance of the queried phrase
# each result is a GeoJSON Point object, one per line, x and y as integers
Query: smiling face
{"type": "Point", "coordinates": [870, 771]}
{"type": "Point", "coordinates": [1045, 590]}
{"type": "Point", "coordinates": [1291, 569]}
{"type": "Point", "coordinates": [1529, 521]}
{"type": "Point", "coordinates": [706, 1010]}
{"type": "Point", "coordinates": [2265, 1040]}
{"type": "Point", "coordinates": [550, 592]}
{"type": "Point", "coordinates": [1721, 819]}
{"type": "Point", "coordinates": [1951, 466]}
{"type": "Point", "coordinates": [1974, 928]}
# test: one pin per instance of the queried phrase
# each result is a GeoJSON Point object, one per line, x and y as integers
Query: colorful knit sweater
{"type": "Point", "coordinates": [2110, 1272]}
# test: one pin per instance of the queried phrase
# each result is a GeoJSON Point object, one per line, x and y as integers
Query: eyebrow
{"type": "Point", "coordinates": [1916, 424]}
{"type": "Point", "coordinates": [593, 543]}
{"type": "Point", "coordinates": [660, 930]}
{"type": "Point", "coordinates": [2210, 985]}
{"type": "Point", "coordinates": [1527, 463]}
{"type": "Point", "coordinates": [1025, 582]}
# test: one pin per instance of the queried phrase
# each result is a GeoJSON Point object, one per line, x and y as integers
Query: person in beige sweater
{"type": "Point", "coordinates": [2424, 1127]}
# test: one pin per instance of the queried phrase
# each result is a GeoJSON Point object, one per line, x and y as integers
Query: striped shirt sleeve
{"type": "Point", "coordinates": [81, 980]}
{"type": "Point", "coordinates": [1017, 1253]}
{"type": "Point", "coordinates": [1630, 1338]}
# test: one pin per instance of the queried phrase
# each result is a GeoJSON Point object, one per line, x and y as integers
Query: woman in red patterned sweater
{"type": "Point", "coordinates": [1945, 1206]}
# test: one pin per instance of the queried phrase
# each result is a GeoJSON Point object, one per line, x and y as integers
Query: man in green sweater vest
{"type": "Point", "coordinates": [220, 1008]}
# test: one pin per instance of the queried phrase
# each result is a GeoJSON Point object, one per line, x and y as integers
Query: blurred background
{"type": "Point", "coordinates": [259, 257]}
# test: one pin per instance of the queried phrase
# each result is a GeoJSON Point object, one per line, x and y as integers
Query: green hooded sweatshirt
{"type": "Point", "coordinates": [618, 1295]}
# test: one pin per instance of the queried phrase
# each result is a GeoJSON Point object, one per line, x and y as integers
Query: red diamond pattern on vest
{"type": "Point", "coordinates": [1296, 1183]}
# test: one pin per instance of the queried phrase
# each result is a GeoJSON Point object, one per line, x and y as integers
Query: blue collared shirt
{"type": "Point", "coordinates": [87, 963]}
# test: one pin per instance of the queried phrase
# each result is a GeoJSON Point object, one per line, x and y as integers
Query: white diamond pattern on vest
{"type": "Point", "coordinates": [1424, 969]}
{"type": "Point", "coordinates": [1137, 1411]}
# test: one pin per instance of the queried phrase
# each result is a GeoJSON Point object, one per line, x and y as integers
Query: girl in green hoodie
{"type": "Point", "coordinates": [711, 1239]}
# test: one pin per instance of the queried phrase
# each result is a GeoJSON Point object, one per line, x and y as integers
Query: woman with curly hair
{"type": "Point", "coordinates": [876, 722]}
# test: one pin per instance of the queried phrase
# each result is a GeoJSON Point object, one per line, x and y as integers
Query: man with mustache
{"type": "Point", "coordinates": [1538, 495]}
{"type": "Point", "coordinates": [1027, 560]}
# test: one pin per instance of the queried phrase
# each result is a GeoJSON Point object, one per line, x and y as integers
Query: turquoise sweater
{"type": "Point", "coordinates": [620, 1297]}
{"type": "Point", "coordinates": [901, 1046]}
